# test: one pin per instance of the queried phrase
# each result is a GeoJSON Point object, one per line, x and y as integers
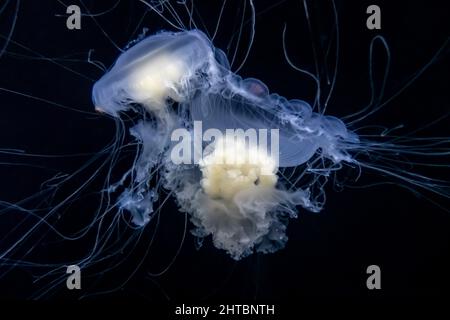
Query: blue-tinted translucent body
{"type": "Point", "coordinates": [185, 68]}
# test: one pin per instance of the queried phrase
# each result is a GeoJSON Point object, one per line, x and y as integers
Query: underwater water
{"type": "Point", "coordinates": [88, 179]}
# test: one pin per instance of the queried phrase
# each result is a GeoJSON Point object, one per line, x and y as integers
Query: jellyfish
{"type": "Point", "coordinates": [239, 161]}
{"type": "Point", "coordinates": [235, 193]}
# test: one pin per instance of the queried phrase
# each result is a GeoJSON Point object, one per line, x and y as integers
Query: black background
{"type": "Point", "coordinates": [327, 253]}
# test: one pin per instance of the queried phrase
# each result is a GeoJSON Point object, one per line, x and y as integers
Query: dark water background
{"type": "Point", "coordinates": [327, 253]}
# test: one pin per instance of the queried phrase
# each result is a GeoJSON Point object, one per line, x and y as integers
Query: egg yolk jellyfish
{"type": "Point", "coordinates": [239, 205]}
{"type": "Point", "coordinates": [167, 84]}
{"type": "Point", "coordinates": [239, 202]}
